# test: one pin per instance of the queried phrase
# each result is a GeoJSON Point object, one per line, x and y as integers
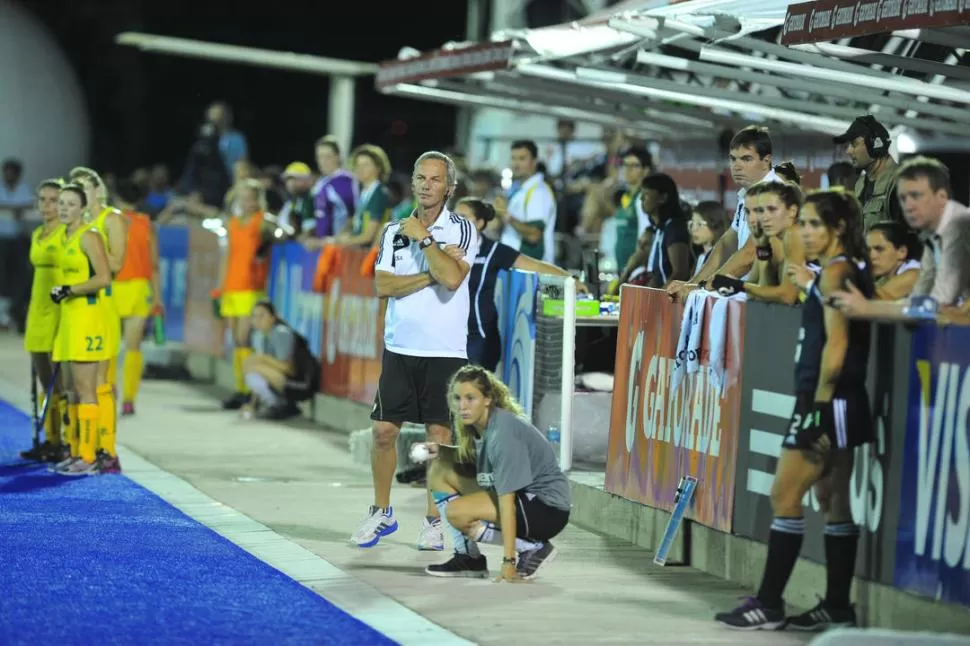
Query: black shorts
{"type": "Point", "coordinates": [537, 521]}
{"type": "Point", "coordinates": [414, 389]}
{"type": "Point", "coordinates": [850, 423]}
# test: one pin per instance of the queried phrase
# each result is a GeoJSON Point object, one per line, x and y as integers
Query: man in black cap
{"type": "Point", "coordinates": [867, 145]}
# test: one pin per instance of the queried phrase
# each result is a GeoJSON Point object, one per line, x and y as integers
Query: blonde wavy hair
{"type": "Point", "coordinates": [491, 388]}
{"type": "Point", "coordinates": [80, 174]}
{"type": "Point", "coordinates": [377, 155]}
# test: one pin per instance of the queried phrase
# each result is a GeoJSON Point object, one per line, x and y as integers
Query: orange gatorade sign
{"type": "Point", "coordinates": [658, 433]}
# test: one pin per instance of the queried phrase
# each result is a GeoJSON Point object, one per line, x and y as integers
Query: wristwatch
{"type": "Point", "coordinates": [425, 243]}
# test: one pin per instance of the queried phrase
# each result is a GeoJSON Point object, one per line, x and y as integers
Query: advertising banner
{"type": "Point", "coordinates": [290, 289]}
{"type": "Point", "coordinates": [173, 264]}
{"type": "Point", "coordinates": [932, 545]}
{"type": "Point", "coordinates": [353, 332]}
{"type": "Point", "coordinates": [203, 329]}
{"type": "Point", "coordinates": [658, 433]}
{"type": "Point", "coordinates": [518, 327]}
{"type": "Point", "coordinates": [768, 399]}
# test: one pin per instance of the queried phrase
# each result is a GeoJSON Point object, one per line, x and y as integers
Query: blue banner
{"type": "Point", "coordinates": [517, 320]}
{"type": "Point", "coordinates": [291, 291]}
{"type": "Point", "coordinates": [173, 257]}
{"type": "Point", "coordinates": [932, 546]}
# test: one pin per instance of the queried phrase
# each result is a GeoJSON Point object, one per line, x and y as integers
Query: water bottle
{"type": "Point", "coordinates": [553, 436]}
{"type": "Point", "coordinates": [158, 327]}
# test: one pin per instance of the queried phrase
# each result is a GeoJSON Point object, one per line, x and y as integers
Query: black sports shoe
{"type": "Point", "coordinates": [46, 452]}
{"type": "Point", "coordinates": [235, 401]}
{"type": "Point", "coordinates": [822, 617]}
{"type": "Point", "coordinates": [461, 565]}
{"type": "Point", "coordinates": [752, 615]}
{"type": "Point", "coordinates": [531, 560]}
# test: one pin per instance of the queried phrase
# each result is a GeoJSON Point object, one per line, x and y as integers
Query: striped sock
{"type": "Point", "coordinates": [784, 545]}
{"type": "Point", "coordinates": [841, 546]}
{"type": "Point", "coordinates": [459, 540]}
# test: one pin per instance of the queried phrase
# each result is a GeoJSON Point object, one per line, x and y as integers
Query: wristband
{"type": "Point", "coordinates": [764, 253]}
{"type": "Point", "coordinates": [727, 286]}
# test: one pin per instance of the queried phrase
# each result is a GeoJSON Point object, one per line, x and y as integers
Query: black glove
{"type": "Point", "coordinates": [60, 292]}
{"type": "Point", "coordinates": [727, 286]}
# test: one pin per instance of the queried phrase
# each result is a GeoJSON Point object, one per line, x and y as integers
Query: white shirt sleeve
{"type": "Point", "coordinates": [465, 236]}
{"type": "Point", "coordinates": [385, 257]}
{"type": "Point", "coordinates": [540, 205]}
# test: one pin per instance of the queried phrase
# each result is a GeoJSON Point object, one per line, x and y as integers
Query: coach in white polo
{"type": "Point", "coordinates": [425, 334]}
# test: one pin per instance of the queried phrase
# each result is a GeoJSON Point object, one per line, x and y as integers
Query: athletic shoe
{"type": "Point", "coordinates": [280, 412]}
{"type": "Point", "coordinates": [822, 617]}
{"type": "Point", "coordinates": [753, 615]}
{"type": "Point", "coordinates": [46, 452]}
{"type": "Point", "coordinates": [127, 408]}
{"type": "Point", "coordinates": [108, 464]}
{"type": "Point", "coordinates": [64, 464]}
{"type": "Point", "coordinates": [530, 561]}
{"type": "Point", "coordinates": [461, 565]}
{"type": "Point", "coordinates": [431, 538]}
{"type": "Point", "coordinates": [235, 401]}
{"type": "Point", "coordinates": [81, 468]}
{"type": "Point", "coordinates": [377, 525]}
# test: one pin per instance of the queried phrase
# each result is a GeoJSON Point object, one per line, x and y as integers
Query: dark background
{"type": "Point", "coordinates": [146, 107]}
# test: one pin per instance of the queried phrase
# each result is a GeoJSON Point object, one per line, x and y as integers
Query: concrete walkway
{"type": "Point", "coordinates": [299, 481]}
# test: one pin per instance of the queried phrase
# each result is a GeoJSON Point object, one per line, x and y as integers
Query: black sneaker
{"type": "Point", "coordinates": [235, 401]}
{"type": "Point", "coordinates": [822, 617]}
{"type": "Point", "coordinates": [753, 615]}
{"type": "Point", "coordinates": [280, 412]}
{"type": "Point", "coordinates": [531, 560]}
{"type": "Point", "coordinates": [461, 565]}
{"type": "Point", "coordinates": [46, 452]}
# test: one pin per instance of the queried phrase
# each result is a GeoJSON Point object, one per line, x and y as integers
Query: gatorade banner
{"type": "Point", "coordinates": [291, 291]}
{"type": "Point", "coordinates": [353, 332]}
{"type": "Point", "coordinates": [173, 263]}
{"type": "Point", "coordinates": [203, 330]}
{"type": "Point", "coordinates": [659, 432]}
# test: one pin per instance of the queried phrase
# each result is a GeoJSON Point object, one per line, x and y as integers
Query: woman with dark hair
{"type": "Point", "coordinates": [670, 253]}
{"type": "Point", "coordinates": [787, 172]}
{"type": "Point", "coordinates": [707, 224]}
{"type": "Point", "coordinates": [894, 254]}
{"type": "Point", "coordinates": [500, 485]}
{"type": "Point", "coordinates": [272, 366]}
{"type": "Point", "coordinates": [484, 342]}
{"type": "Point", "coordinates": [830, 419]}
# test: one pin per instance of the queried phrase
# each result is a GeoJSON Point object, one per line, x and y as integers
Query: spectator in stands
{"type": "Point", "coordinates": [298, 210]}
{"type": "Point", "coordinates": [867, 145]}
{"type": "Point", "coordinates": [530, 214]}
{"type": "Point", "coordinates": [159, 191]}
{"type": "Point", "coordinates": [629, 221]}
{"type": "Point", "coordinates": [402, 200]}
{"type": "Point", "coordinates": [277, 372]}
{"type": "Point", "coordinates": [335, 193]}
{"type": "Point", "coordinates": [502, 486]}
{"type": "Point", "coordinates": [842, 175]}
{"type": "Point", "coordinates": [15, 200]}
{"type": "Point", "coordinates": [831, 418]}
{"type": "Point", "coordinates": [206, 171]}
{"type": "Point", "coordinates": [232, 143]}
{"type": "Point", "coordinates": [372, 169]}
{"type": "Point", "coordinates": [707, 224]}
{"type": "Point", "coordinates": [670, 254]}
{"type": "Point", "coordinates": [751, 162]}
{"type": "Point", "coordinates": [923, 185]}
{"type": "Point", "coordinates": [271, 177]}
{"type": "Point", "coordinates": [484, 340]}
{"type": "Point", "coordinates": [894, 253]}
{"type": "Point", "coordinates": [425, 334]}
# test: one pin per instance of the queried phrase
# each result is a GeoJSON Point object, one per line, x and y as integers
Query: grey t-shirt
{"type": "Point", "coordinates": [514, 456]}
{"type": "Point", "coordinates": [278, 342]}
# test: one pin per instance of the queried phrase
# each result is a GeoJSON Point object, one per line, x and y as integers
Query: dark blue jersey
{"type": "Point", "coordinates": [492, 258]}
{"type": "Point", "coordinates": [812, 337]}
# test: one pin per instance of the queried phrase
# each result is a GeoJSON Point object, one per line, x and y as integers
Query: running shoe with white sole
{"type": "Point", "coordinates": [431, 538]}
{"type": "Point", "coordinates": [460, 565]}
{"type": "Point", "coordinates": [378, 524]}
{"type": "Point", "coordinates": [63, 464]}
{"type": "Point", "coordinates": [530, 561]}
{"type": "Point", "coordinates": [81, 468]}
{"type": "Point", "coordinates": [108, 464]}
{"type": "Point", "coordinates": [753, 615]}
{"type": "Point", "coordinates": [822, 617]}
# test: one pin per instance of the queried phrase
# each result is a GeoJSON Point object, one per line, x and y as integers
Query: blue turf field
{"type": "Point", "coordinates": [101, 560]}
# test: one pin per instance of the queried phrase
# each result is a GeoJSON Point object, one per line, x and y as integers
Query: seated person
{"type": "Point", "coordinates": [501, 485]}
{"type": "Point", "coordinates": [272, 371]}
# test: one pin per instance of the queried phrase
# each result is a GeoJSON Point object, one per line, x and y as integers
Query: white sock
{"type": "Point", "coordinates": [260, 387]}
{"type": "Point", "coordinates": [489, 534]}
{"type": "Point", "coordinates": [459, 540]}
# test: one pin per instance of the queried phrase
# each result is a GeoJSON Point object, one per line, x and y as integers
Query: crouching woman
{"type": "Point", "coordinates": [501, 485]}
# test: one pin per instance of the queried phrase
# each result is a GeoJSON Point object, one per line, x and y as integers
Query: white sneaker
{"type": "Point", "coordinates": [376, 525]}
{"type": "Point", "coordinates": [431, 538]}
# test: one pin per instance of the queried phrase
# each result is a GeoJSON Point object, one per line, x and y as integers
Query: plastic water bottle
{"type": "Point", "coordinates": [553, 436]}
{"type": "Point", "coordinates": [158, 328]}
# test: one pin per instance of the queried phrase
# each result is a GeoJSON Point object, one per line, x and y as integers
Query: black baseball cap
{"type": "Point", "coordinates": [865, 126]}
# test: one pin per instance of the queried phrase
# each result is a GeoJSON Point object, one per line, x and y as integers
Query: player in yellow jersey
{"type": "Point", "coordinates": [113, 228]}
{"type": "Point", "coordinates": [42, 318]}
{"type": "Point", "coordinates": [80, 344]}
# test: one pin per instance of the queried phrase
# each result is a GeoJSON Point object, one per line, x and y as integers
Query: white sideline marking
{"type": "Point", "coordinates": [351, 595]}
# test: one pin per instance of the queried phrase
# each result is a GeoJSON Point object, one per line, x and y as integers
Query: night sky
{"type": "Point", "coordinates": [146, 107]}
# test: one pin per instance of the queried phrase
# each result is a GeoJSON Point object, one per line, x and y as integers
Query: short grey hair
{"type": "Point", "coordinates": [452, 170]}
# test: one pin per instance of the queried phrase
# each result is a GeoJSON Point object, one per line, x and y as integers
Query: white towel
{"type": "Point", "coordinates": [694, 301]}
{"type": "Point", "coordinates": [696, 335]}
{"type": "Point", "coordinates": [717, 329]}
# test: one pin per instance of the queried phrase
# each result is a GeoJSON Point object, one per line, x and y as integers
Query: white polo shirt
{"type": "Point", "coordinates": [431, 322]}
{"type": "Point", "coordinates": [533, 202]}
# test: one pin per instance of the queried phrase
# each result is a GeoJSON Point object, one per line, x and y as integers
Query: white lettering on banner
{"type": "Point", "coordinates": [333, 303]}
{"type": "Point", "coordinates": [866, 492]}
{"type": "Point", "coordinates": [694, 424]}
{"type": "Point", "coordinates": [179, 273]}
{"type": "Point", "coordinates": [795, 23]}
{"type": "Point", "coordinates": [351, 324]}
{"type": "Point", "coordinates": [943, 449]}
{"type": "Point", "coordinates": [164, 278]}
{"type": "Point", "coordinates": [633, 391]}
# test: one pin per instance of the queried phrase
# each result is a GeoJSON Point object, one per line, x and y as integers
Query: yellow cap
{"type": "Point", "coordinates": [297, 169]}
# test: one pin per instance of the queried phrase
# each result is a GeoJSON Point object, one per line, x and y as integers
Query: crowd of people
{"type": "Point", "coordinates": [893, 245]}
